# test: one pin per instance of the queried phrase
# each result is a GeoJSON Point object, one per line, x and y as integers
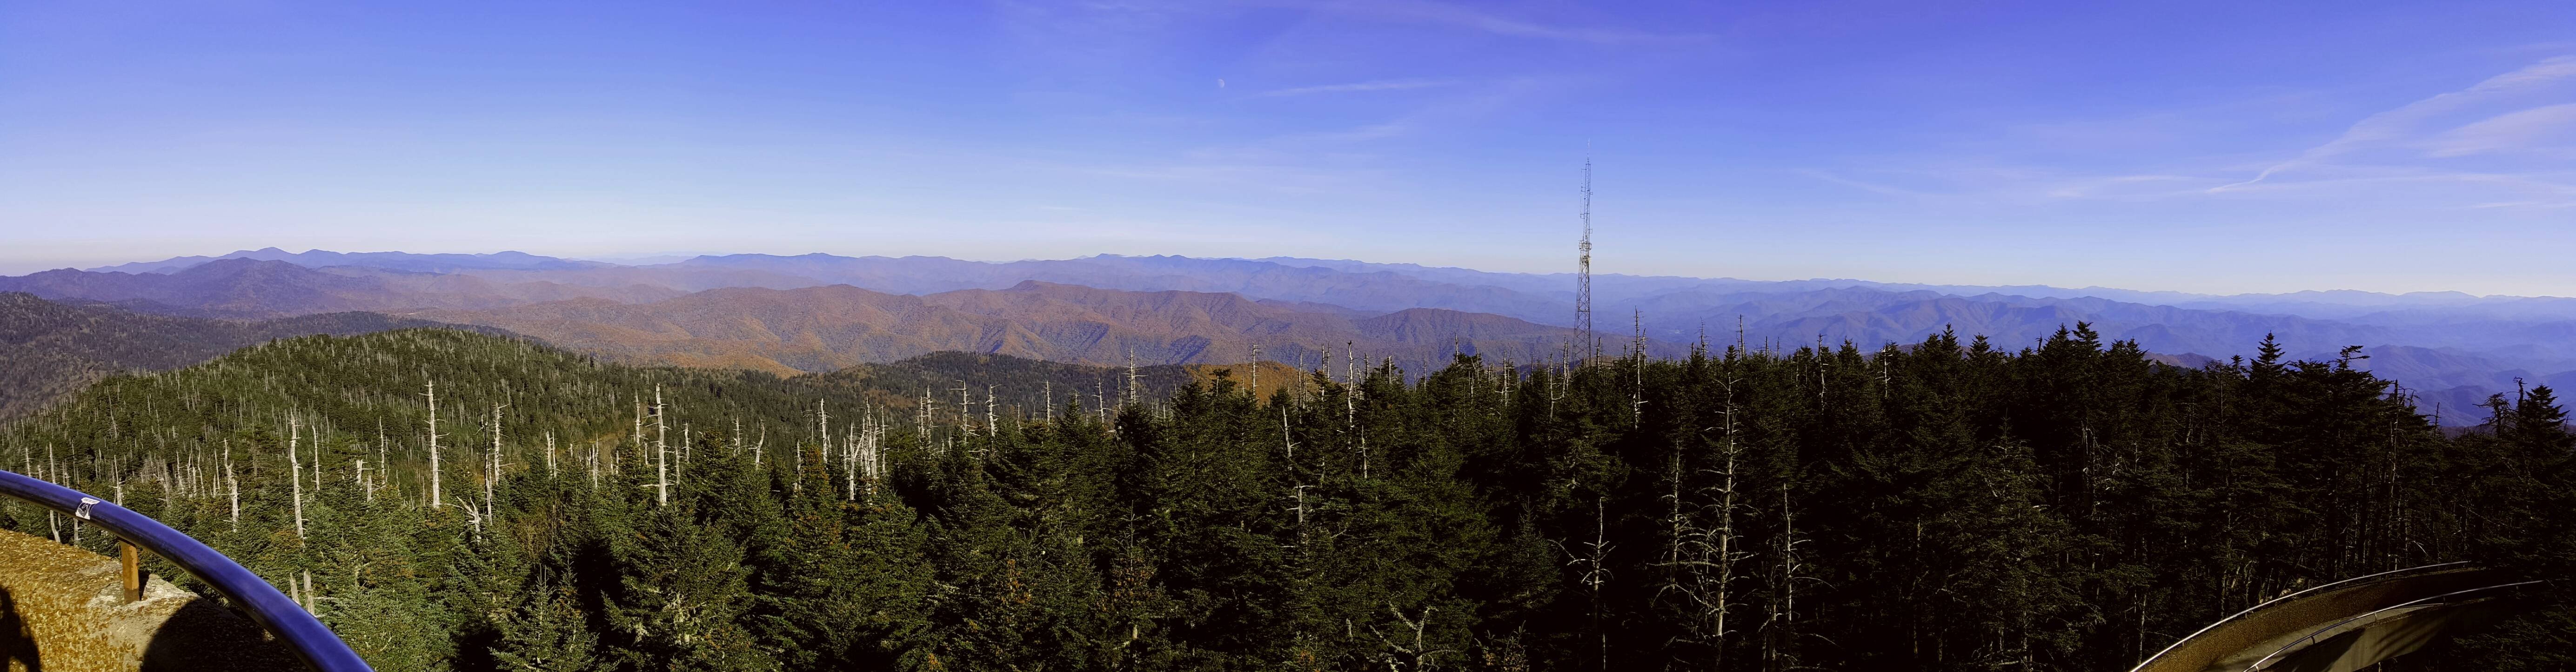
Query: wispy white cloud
{"type": "Point", "coordinates": [2128, 186]}
{"type": "Point", "coordinates": [1450, 110]}
{"type": "Point", "coordinates": [1356, 87]}
{"type": "Point", "coordinates": [1871, 187]}
{"type": "Point", "coordinates": [1346, 159]}
{"type": "Point", "coordinates": [2525, 205]}
{"type": "Point", "coordinates": [2412, 123]}
{"type": "Point", "coordinates": [2539, 128]}
{"type": "Point", "coordinates": [1274, 177]}
{"type": "Point", "coordinates": [1468, 18]}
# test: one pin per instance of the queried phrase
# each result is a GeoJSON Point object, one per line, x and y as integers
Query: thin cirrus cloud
{"type": "Point", "coordinates": [1466, 18]}
{"type": "Point", "coordinates": [2550, 128]}
{"type": "Point", "coordinates": [2420, 126]}
{"type": "Point", "coordinates": [1357, 87]}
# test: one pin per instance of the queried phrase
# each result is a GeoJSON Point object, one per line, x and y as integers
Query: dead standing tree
{"type": "Point", "coordinates": [1706, 547]}
{"type": "Point", "coordinates": [965, 421]}
{"type": "Point", "coordinates": [492, 462]}
{"type": "Point", "coordinates": [1595, 574]}
{"type": "Point", "coordinates": [1419, 653]}
{"type": "Point", "coordinates": [233, 484]}
{"type": "Point", "coordinates": [661, 451]}
{"type": "Point", "coordinates": [1779, 626]}
{"type": "Point", "coordinates": [434, 501]}
{"type": "Point", "coordinates": [295, 469]}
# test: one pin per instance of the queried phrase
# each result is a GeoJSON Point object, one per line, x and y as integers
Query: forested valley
{"type": "Point", "coordinates": [449, 500]}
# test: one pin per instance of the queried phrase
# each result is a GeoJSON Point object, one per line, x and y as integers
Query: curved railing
{"type": "Point", "coordinates": [2261, 635]}
{"type": "Point", "coordinates": [2313, 635]}
{"type": "Point", "coordinates": [271, 609]}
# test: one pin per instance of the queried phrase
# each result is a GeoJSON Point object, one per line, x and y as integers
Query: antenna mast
{"type": "Point", "coordinates": [1583, 271]}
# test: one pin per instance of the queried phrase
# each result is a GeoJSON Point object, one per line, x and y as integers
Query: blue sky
{"type": "Point", "coordinates": [2197, 146]}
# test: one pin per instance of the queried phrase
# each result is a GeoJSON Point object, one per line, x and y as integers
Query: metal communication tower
{"type": "Point", "coordinates": [1583, 272]}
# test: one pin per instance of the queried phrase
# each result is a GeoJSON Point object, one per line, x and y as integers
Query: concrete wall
{"type": "Point", "coordinates": [62, 609]}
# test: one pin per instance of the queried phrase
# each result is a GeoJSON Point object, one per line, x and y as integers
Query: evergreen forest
{"type": "Point", "coordinates": [449, 500]}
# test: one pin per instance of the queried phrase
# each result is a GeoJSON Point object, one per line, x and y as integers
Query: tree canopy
{"type": "Point", "coordinates": [1947, 505]}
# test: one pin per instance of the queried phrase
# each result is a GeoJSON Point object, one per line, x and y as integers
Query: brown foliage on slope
{"type": "Point", "coordinates": [816, 329]}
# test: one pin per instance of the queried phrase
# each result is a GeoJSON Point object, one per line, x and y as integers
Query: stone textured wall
{"type": "Point", "coordinates": [62, 609]}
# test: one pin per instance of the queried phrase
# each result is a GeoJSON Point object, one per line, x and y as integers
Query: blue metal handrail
{"type": "Point", "coordinates": [271, 609]}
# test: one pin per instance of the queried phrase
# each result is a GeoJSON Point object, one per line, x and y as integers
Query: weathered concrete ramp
{"type": "Point", "coordinates": [2343, 626]}
{"type": "Point", "coordinates": [63, 609]}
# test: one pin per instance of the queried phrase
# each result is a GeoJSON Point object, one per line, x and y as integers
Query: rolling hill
{"type": "Point", "coordinates": [52, 349]}
{"type": "Point", "coordinates": [399, 261]}
{"type": "Point", "coordinates": [252, 288]}
{"type": "Point", "coordinates": [818, 329]}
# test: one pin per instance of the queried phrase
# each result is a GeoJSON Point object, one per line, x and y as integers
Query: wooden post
{"type": "Point", "coordinates": [130, 562]}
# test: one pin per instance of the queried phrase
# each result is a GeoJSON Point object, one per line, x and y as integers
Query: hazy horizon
{"type": "Point", "coordinates": [644, 259]}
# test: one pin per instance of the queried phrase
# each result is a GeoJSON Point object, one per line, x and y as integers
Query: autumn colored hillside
{"type": "Point", "coordinates": [816, 329]}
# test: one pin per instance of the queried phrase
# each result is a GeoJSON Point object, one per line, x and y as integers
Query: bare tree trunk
{"type": "Point", "coordinates": [233, 483]}
{"type": "Point", "coordinates": [295, 470]}
{"type": "Point", "coordinates": [661, 451]}
{"type": "Point", "coordinates": [1780, 629]}
{"type": "Point", "coordinates": [1351, 420]}
{"type": "Point", "coordinates": [965, 423]}
{"type": "Point", "coordinates": [871, 461]}
{"type": "Point", "coordinates": [854, 443]}
{"type": "Point", "coordinates": [1131, 379]}
{"type": "Point", "coordinates": [1596, 575]}
{"type": "Point", "coordinates": [1297, 482]}
{"type": "Point", "coordinates": [492, 471]}
{"type": "Point", "coordinates": [434, 494]}
{"type": "Point", "coordinates": [54, 474]}
{"type": "Point", "coordinates": [1725, 543]}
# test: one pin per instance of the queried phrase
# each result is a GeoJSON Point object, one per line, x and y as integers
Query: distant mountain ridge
{"type": "Point", "coordinates": [252, 289]}
{"type": "Point", "coordinates": [2446, 337]}
{"type": "Point", "coordinates": [878, 272]}
{"type": "Point", "coordinates": [400, 261]}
